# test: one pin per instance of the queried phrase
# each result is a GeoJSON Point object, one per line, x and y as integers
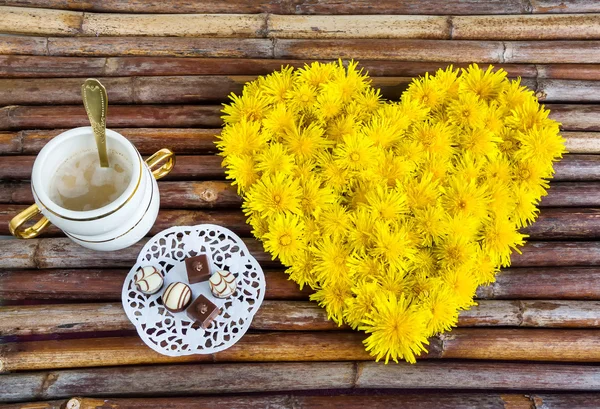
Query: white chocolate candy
{"type": "Point", "coordinates": [222, 284]}
{"type": "Point", "coordinates": [176, 297]}
{"type": "Point", "coordinates": [148, 280]}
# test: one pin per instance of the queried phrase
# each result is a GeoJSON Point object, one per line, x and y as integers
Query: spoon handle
{"type": "Point", "coordinates": [95, 101]}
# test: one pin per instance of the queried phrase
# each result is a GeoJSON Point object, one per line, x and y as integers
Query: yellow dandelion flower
{"type": "Point", "coordinates": [485, 269]}
{"type": "Point", "coordinates": [485, 84]}
{"type": "Point", "coordinates": [528, 115]}
{"type": "Point", "coordinates": [447, 81]}
{"type": "Point", "coordinates": [242, 170]}
{"type": "Point", "coordinates": [467, 227]}
{"type": "Point", "coordinates": [514, 95]}
{"type": "Point", "coordinates": [314, 197]}
{"type": "Point", "coordinates": [526, 201]}
{"type": "Point", "coordinates": [274, 159]}
{"type": "Point", "coordinates": [386, 204]}
{"type": "Point", "coordinates": [500, 238]}
{"type": "Point", "coordinates": [397, 328]}
{"type": "Point", "coordinates": [328, 106]}
{"type": "Point", "coordinates": [422, 191]}
{"type": "Point", "coordinates": [260, 225]}
{"type": "Point", "coordinates": [312, 231]}
{"type": "Point", "coordinates": [245, 107]}
{"type": "Point", "coordinates": [333, 174]}
{"type": "Point", "coordinates": [285, 238]}
{"type": "Point", "coordinates": [361, 233]}
{"type": "Point", "coordinates": [493, 120]}
{"type": "Point", "coordinates": [316, 73]}
{"type": "Point", "coordinates": [466, 111]}
{"type": "Point", "coordinates": [436, 138]}
{"type": "Point", "coordinates": [426, 91]}
{"type": "Point", "coordinates": [278, 121]}
{"type": "Point", "coordinates": [463, 285]}
{"type": "Point", "coordinates": [498, 170]}
{"type": "Point", "coordinates": [302, 271]}
{"type": "Point", "coordinates": [381, 132]}
{"type": "Point", "coordinates": [331, 258]}
{"type": "Point", "coordinates": [465, 198]}
{"type": "Point", "coordinates": [273, 195]}
{"type": "Point", "coordinates": [443, 309]}
{"type": "Point", "coordinates": [355, 153]}
{"type": "Point", "coordinates": [469, 167]}
{"type": "Point", "coordinates": [510, 143]}
{"type": "Point", "coordinates": [369, 100]}
{"type": "Point", "coordinates": [430, 223]}
{"type": "Point", "coordinates": [241, 138]}
{"type": "Point", "coordinates": [480, 142]}
{"type": "Point", "coordinates": [541, 145]}
{"type": "Point", "coordinates": [335, 220]}
{"type": "Point", "coordinates": [305, 141]}
{"type": "Point", "coordinates": [333, 298]}
{"type": "Point", "coordinates": [275, 86]}
{"type": "Point", "coordinates": [364, 268]}
{"type": "Point", "coordinates": [361, 303]}
{"type": "Point", "coordinates": [455, 252]}
{"type": "Point", "coordinates": [392, 243]}
{"type": "Point", "coordinates": [437, 166]}
{"type": "Point", "coordinates": [342, 126]}
{"type": "Point", "coordinates": [502, 202]}
{"type": "Point", "coordinates": [394, 281]}
{"type": "Point", "coordinates": [531, 174]}
{"type": "Point", "coordinates": [425, 262]}
{"type": "Point", "coordinates": [301, 97]}
{"type": "Point", "coordinates": [347, 84]}
{"type": "Point", "coordinates": [391, 170]}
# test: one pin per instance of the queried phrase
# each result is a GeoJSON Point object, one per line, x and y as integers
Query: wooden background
{"type": "Point", "coordinates": [532, 342]}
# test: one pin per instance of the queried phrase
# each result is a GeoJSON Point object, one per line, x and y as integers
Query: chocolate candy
{"type": "Point", "coordinates": [203, 311]}
{"type": "Point", "coordinates": [222, 284]}
{"type": "Point", "coordinates": [176, 297]}
{"type": "Point", "coordinates": [198, 269]}
{"type": "Point", "coordinates": [148, 280]}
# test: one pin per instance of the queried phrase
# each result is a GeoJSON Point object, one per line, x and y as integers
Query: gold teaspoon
{"type": "Point", "coordinates": [95, 101]}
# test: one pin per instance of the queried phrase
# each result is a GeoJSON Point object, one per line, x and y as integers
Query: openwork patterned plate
{"type": "Point", "coordinates": [175, 334]}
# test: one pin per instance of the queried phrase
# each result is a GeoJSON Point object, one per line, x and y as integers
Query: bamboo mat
{"type": "Point", "coordinates": [533, 340]}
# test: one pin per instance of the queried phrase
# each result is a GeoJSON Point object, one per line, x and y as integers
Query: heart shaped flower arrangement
{"type": "Point", "coordinates": [393, 212]}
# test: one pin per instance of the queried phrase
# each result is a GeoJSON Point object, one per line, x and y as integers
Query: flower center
{"type": "Point", "coordinates": [285, 240]}
{"type": "Point", "coordinates": [277, 199]}
{"type": "Point", "coordinates": [355, 157]}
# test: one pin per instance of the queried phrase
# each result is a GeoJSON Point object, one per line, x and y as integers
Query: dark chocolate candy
{"type": "Point", "coordinates": [198, 269]}
{"type": "Point", "coordinates": [203, 311]}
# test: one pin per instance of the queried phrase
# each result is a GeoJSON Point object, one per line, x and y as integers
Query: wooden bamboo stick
{"type": "Point", "coordinates": [177, 25]}
{"type": "Point", "coordinates": [564, 283]}
{"type": "Point", "coordinates": [121, 351]}
{"type": "Point", "coordinates": [552, 224]}
{"type": "Point", "coordinates": [49, 66]}
{"type": "Point", "coordinates": [382, 49]}
{"type": "Point", "coordinates": [220, 194]}
{"type": "Point", "coordinates": [357, 399]}
{"type": "Point", "coordinates": [54, 404]}
{"type": "Point", "coordinates": [358, 26]}
{"type": "Point", "coordinates": [35, 21]}
{"type": "Point", "coordinates": [23, 45]}
{"type": "Point", "coordinates": [64, 253]}
{"type": "Point", "coordinates": [293, 316]}
{"type": "Point", "coordinates": [541, 52]}
{"type": "Point", "coordinates": [575, 223]}
{"type": "Point", "coordinates": [205, 167]}
{"type": "Point", "coordinates": [146, 140]}
{"type": "Point", "coordinates": [94, 285]}
{"type": "Point", "coordinates": [68, 116]}
{"type": "Point", "coordinates": [178, 380]}
{"type": "Point", "coordinates": [526, 27]}
{"type": "Point", "coordinates": [555, 254]}
{"type": "Point", "coordinates": [348, 400]}
{"type": "Point", "coordinates": [208, 167]}
{"type": "Point", "coordinates": [575, 283]}
{"type": "Point", "coordinates": [490, 344]}
{"type": "Point", "coordinates": [191, 194]}
{"type": "Point", "coordinates": [573, 117]}
{"type": "Point", "coordinates": [193, 89]}
{"type": "Point", "coordinates": [572, 194]}
{"type": "Point", "coordinates": [454, 7]}
{"type": "Point", "coordinates": [289, 7]}
{"type": "Point", "coordinates": [201, 141]}
{"type": "Point", "coordinates": [160, 46]}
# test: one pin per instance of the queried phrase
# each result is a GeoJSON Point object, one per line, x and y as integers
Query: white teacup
{"type": "Point", "coordinates": [117, 225]}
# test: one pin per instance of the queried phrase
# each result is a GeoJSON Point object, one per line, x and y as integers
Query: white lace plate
{"type": "Point", "coordinates": [174, 334]}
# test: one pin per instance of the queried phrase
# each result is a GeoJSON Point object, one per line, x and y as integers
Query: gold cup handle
{"type": "Point", "coordinates": [30, 232]}
{"type": "Point", "coordinates": [166, 155]}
